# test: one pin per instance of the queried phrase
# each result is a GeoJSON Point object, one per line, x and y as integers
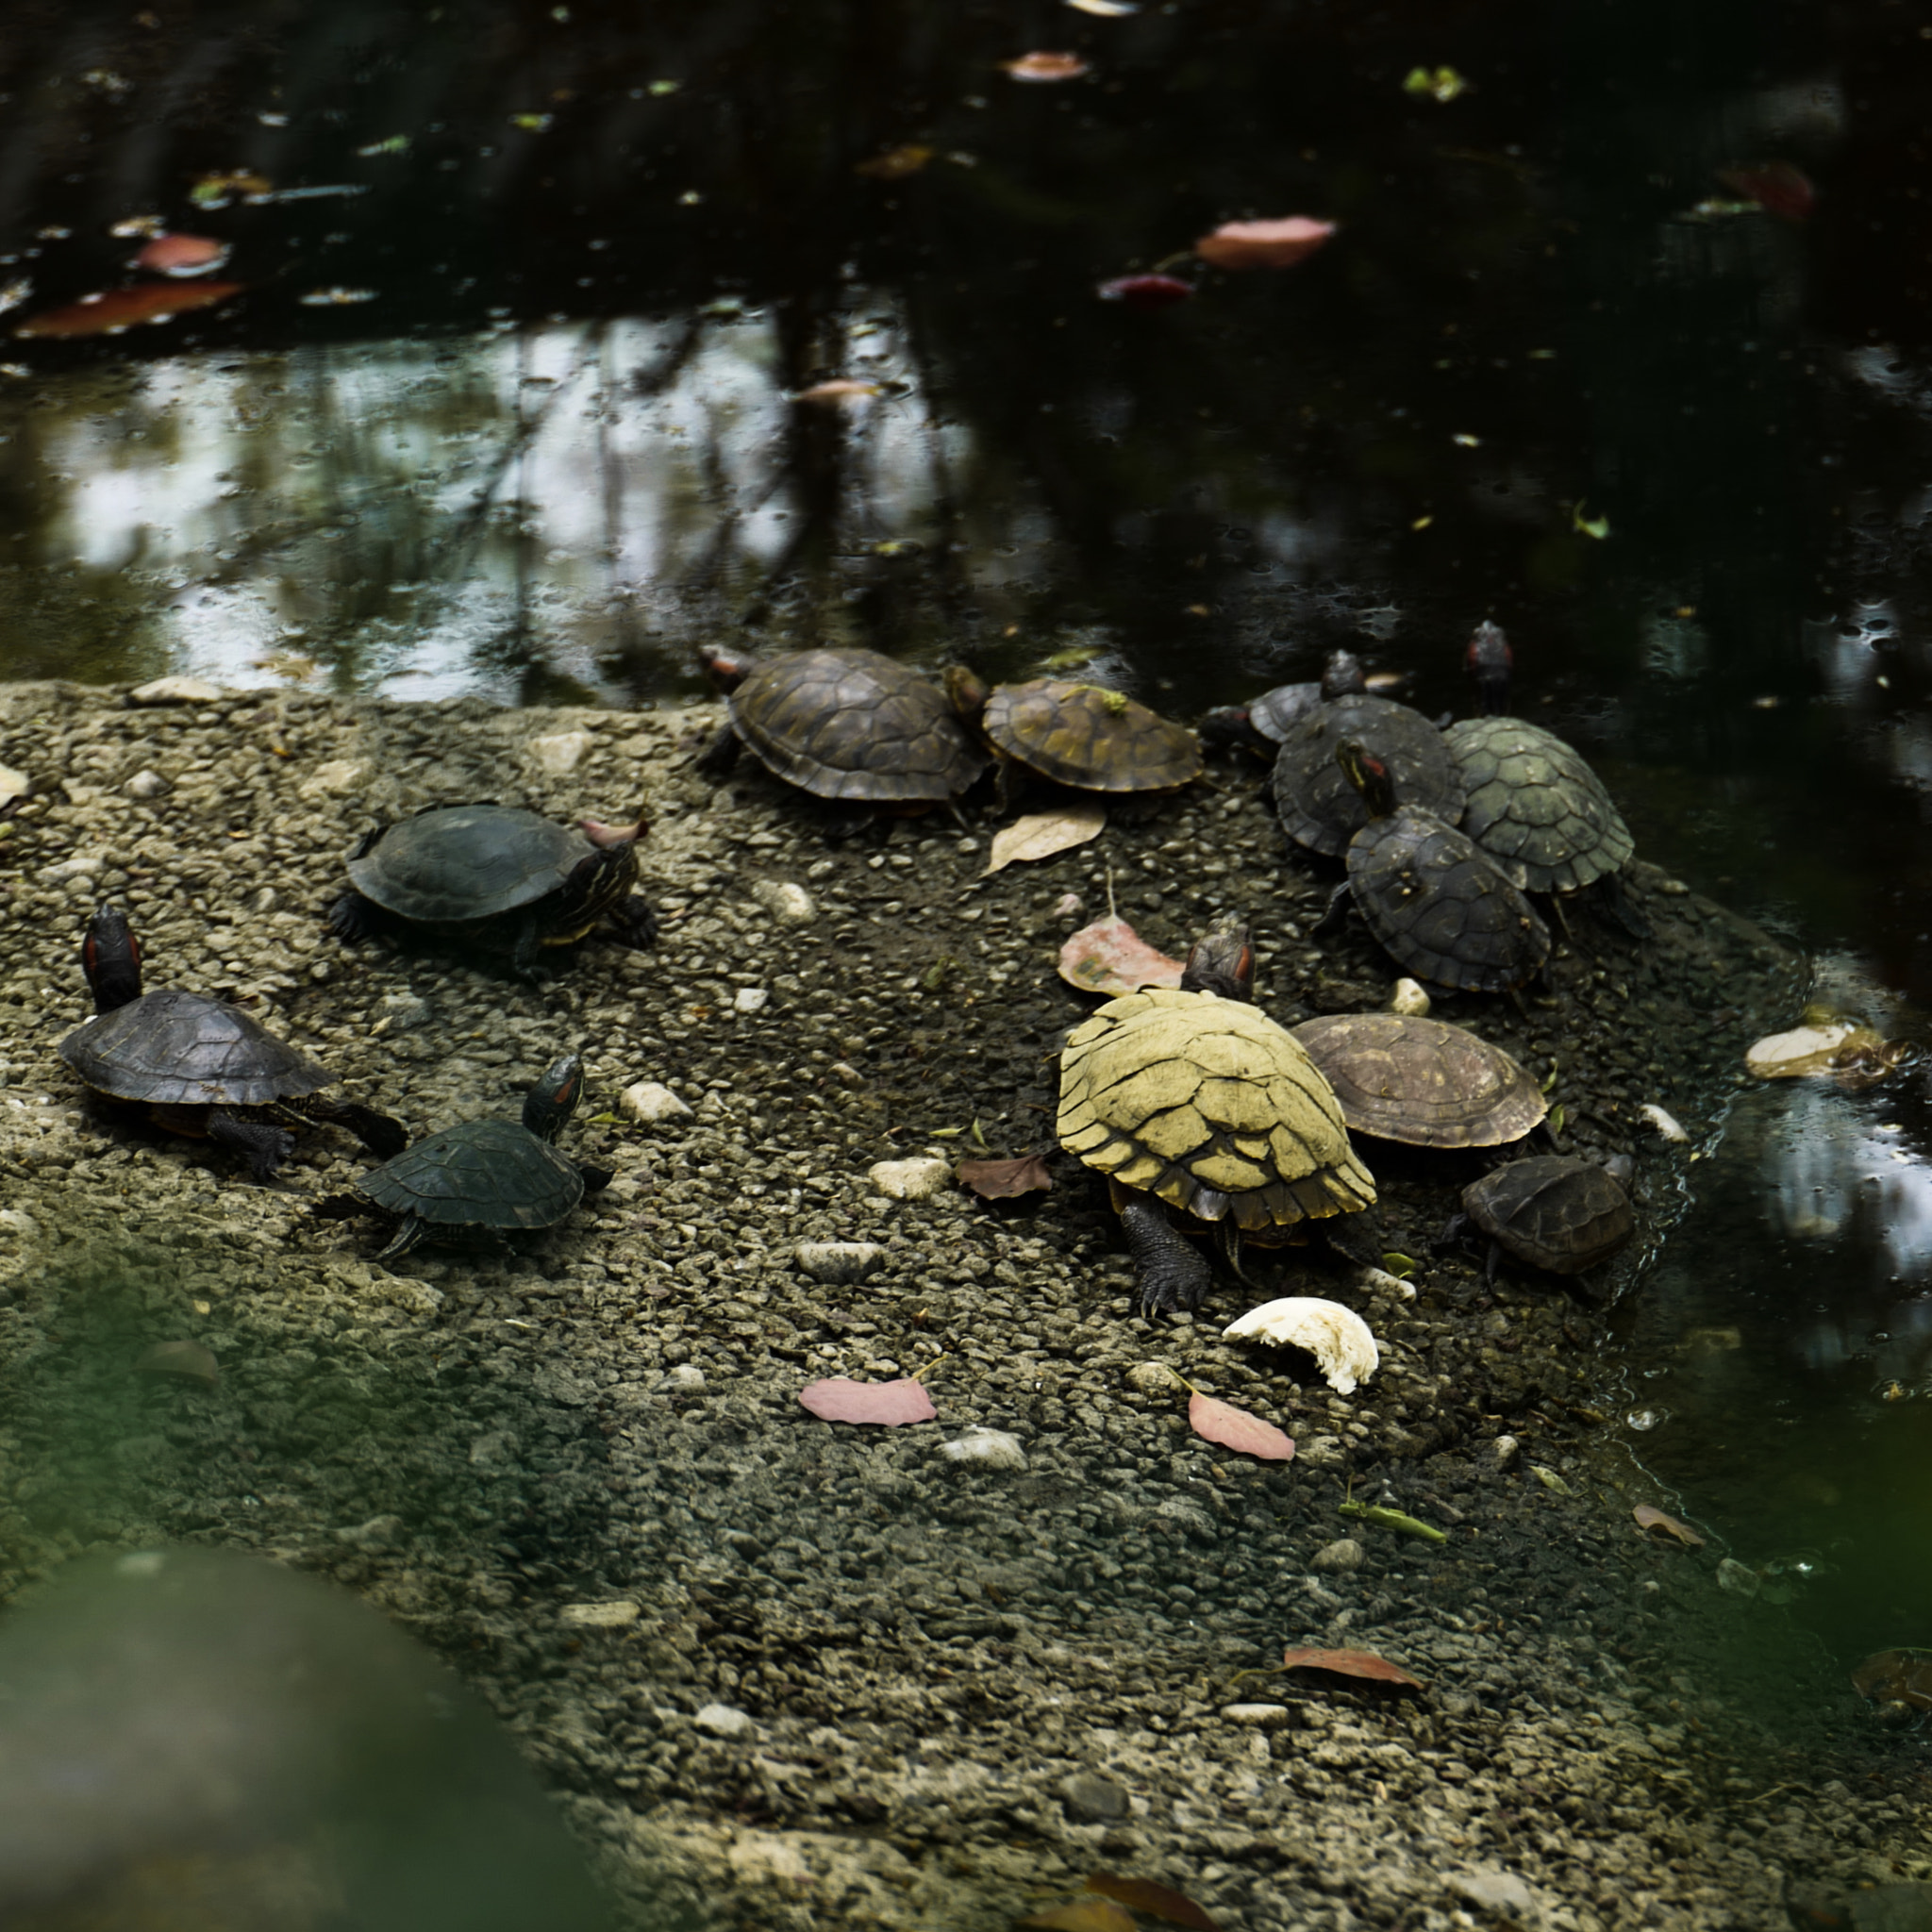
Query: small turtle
{"type": "Point", "coordinates": [1187, 1096]}
{"type": "Point", "coordinates": [1263, 724]}
{"type": "Point", "coordinates": [202, 1067]}
{"type": "Point", "coordinates": [1080, 735]}
{"type": "Point", "coordinates": [497, 878]}
{"type": "Point", "coordinates": [1421, 1082]}
{"type": "Point", "coordinates": [1553, 1211]}
{"type": "Point", "coordinates": [1440, 907]}
{"type": "Point", "coordinates": [478, 1180]}
{"type": "Point", "coordinates": [853, 725]}
{"type": "Point", "coordinates": [1318, 807]}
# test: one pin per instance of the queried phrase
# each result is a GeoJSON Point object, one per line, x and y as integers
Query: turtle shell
{"type": "Point", "coordinates": [458, 862]}
{"type": "Point", "coordinates": [1440, 907]}
{"type": "Point", "coordinates": [1423, 1082]}
{"type": "Point", "coordinates": [1555, 1212]}
{"type": "Point", "coordinates": [1535, 806]}
{"type": "Point", "coordinates": [1086, 736]}
{"type": "Point", "coordinates": [1318, 805]}
{"type": "Point", "coordinates": [1211, 1106]}
{"type": "Point", "coordinates": [183, 1049]}
{"type": "Point", "coordinates": [477, 1174]}
{"type": "Point", "coordinates": [1276, 712]}
{"type": "Point", "coordinates": [855, 725]}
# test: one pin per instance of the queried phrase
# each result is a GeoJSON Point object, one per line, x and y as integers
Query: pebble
{"type": "Point", "coordinates": [178, 691]}
{"type": "Point", "coordinates": [614, 1616]}
{"type": "Point", "coordinates": [378, 1533]}
{"type": "Point", "coordinates": [724, 1720]}
{"type": "Point", "coordinates": [78, 867]}
{"type": "Point", "coordinates": [651, 1103]}
{"type": "Point", "coordinates": [839, 1262]}
{"type": "Point", "coordinates": [1410, 998]}
{"type": "Point", "coordinates": [1492, 1889]}
{"type": "Point", "coordinates": [1090, 1799]}
{"type": "Point", "coordinates": [788, 903]}
{"type": "Point", "coordinates": [1344, 1554]}
{"type": "Point", "coordinates": [13, 784]}
{"type": "Point", "coordinates": [1153, 1378]}
{"type": "Point", "coordinates": [751, 999]}
{"type": "Point", "coordinates": [181, 1361]}
{"type": "Point", "coordinates": [405, 1011]}
{"type": "Point", "coordinates": [338, 779]}
{"type": "Point", "coordinates": [1264, 1716]}
{"type": "Point", "coordinates": [1505, 1450]}
{"type": "Point", "coordinates": [559, 753]}
{"type": "Point", "coordinates": [991, 1448]}
{"type": "Point", "coordinates": [918, 1179]}
{"type": "Point", "coordinates": [687, 1378]}
{"type": "Point", "coordinates": [1664, 1122]}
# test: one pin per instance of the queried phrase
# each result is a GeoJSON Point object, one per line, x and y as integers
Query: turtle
{"type": "Point", "coordinates": [1423, 1082]}
{"type": "Point", "coordinates": [478, 1180]}
{"type": "Point", "coordinates": [1489, 660]}
{"type": "Point", "coordinates": [1438, 907]}
{"type": "Point", "coordinates": [1188, 1098]}
{"type": "Point", "coordinates": [1317, 805]}
{"type": "Point", "coordinates": [1554, 1212]}
{"type": "Point", "coordinates": [851, 725]}
{"type": "Point", "coordinates": [201, 1066]}
{"type": "Point", "coordinates": [1084, 736]}
{"type": "Point", "coordinates": [1263, 722]}
{"type": "Point", "coordinates": [498, 878]}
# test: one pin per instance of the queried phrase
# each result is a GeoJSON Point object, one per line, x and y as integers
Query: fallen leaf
{"type": "Point", "coordinates": [895, 163]}
{"type": "Point", "coordinates": [1235, 1429]}
{"type": "Point", "coordinates": [181, 1361]}
{"type": "Point", "coordinates": [108, 314]}
{"type": "Point", "coordinates": [1263, 244]}
{"type": "Point", "coordinates": [1901, 1676]}
{"type": "Point", "coordinates": [1157, 1901]}
{"type": "Point", "coordinates": [1083, 1915]}
{"type": "Point", "coordinates": [1106, 9]}
{"type": "Point", "coordinates": [1041, 834]}
{"type": "Point", "coordinates": [1145, 292]}
{"type": "Point", "coordinates": [998, 1180]}
{"type": "Point", "coordinates": [1776, 186]}
{"type": "Point", "coordinates": [838, 1399]}
{"type": "Point", "coordinates": [1385, 1518]}
{"type": "Point", "coordinates": [1046, 67]}
{"type": "Point", "coordinates": [1654, 1519]}
{"type": "Point", "coordinates": [181, 255]}
{"type": "Point", "coordinates": [840, 389]}
{"type": "Point", "coordinates": [1550, 1480]}
{"type": "Point", "coordinates": [1442, 85]}
{"type": "Point", "coordinates": [1598, 527]}
{"type": "Point", "coordinates": [1807, 1049]}
{"type": "Point", "coordinates": [1351, 1663]}
{"type": "Point", "coordinates": [217, 190]}
{"type": "Point", "coordinates": [1110, 957]}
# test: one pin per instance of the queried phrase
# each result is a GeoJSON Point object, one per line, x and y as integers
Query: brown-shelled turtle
{"type": "Point", "coordinates": [478, 1181]}
{"type": "Point", "coordinates": [850, 724]}
{"type": "Point", "coordinates": [1554, 1212]}
{"type": "Point", "coordinates": [1440, 907]}
{"type": "Point", "coordinates": [1188, 1098]}
{"type": "Point", "coordinates": [1421, 1082]}
{"type": "Point", "coordinates": [1262, 725]}
{"type": "Point", "coordinates": [497, 878]}
{"type": "Point", "coordinates": [1084, 736]}
{"type": "Point", "coordinates": [200, 1066]}
{"type": "Point", "coordinates": [1320, 809]}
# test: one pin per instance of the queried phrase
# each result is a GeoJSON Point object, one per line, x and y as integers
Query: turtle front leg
{"type": "Point", "coordinates": [353, 918]}
{"type": "Point", "coordinates": [1172, 1276]}
{"type": "Point", "coordinates": [410, 1231]}
{"type": "Point", "coordinates": [1331, 919]}
{"type": "Point", "coordinates": [266, 1147]}
{"type": "Point", "coordinates": [634, 923]}
{"type": "Point", "coordinates": [720, 756]}
{"type": "Point", "coordinates": [527, 955]}
{"type": "Point", "coordinates": [384, 1137]}
{"type": "Point", "coordinates": [596, 1179]}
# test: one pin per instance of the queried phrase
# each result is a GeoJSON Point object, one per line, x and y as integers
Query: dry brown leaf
{"type": "Point", "coordinates": [1657, 1522]}
{"type": "Point", "coordinates": [1157, 1901]}
{"type": "Point", "coordinates": [1041, 834]}
{"type": "Point", "coordinates": [1263, 244]}
{"type": "Point", "coordinates": [1903, 1676]}
{"type": "Point", "coordinates": [838, 1399]}
{"type": "Point", "coordinates": [840, 389]}
{"type": "Point", "coordinates": [896, 162]}
{"type": "Point", "coordinates": [124, 309]}
{"type": "Point", "coordinates": [997, 1180]}
{"type": "Point", "coordinates": [1235, 1429]}
{"type": "Point", "coordinates": [1083, 1915]}
{"type": "Point", "coordinates": [1110, 957]}
{"type": "Point", "coordinates": [1046, 67]}
{"type": "Point", "coordinates": [1351, 1663]}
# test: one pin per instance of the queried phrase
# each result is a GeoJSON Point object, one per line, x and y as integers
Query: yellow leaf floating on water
{"type": "Point", "coordinates": [1041, 834]}
{"type": "Point", "coordinates": [1655, 1522]}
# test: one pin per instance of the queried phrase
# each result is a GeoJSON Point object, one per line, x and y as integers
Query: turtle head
{"type": "Point", "coordinates": [1343, 677]}
{"type": "Point", "coordinates": [726, 667]}
{"type": "Point", "coordinates": [111, 958]}
{"type": "Point", "coordinates": [1222, 962]}
{"type": "Point", "coordinates": [1229, 727]}
{"type": "Point", "coordinates": [967, 691]}
{"type": "Point", "coordinates": [1370, 776]}
{"type": "Point", "coordinates": [1490, 660]}
{"type": "Point", "coordinates": [548, 1104]}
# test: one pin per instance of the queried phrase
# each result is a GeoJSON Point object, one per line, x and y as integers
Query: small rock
{"type": "Point", "coordinates": [178, 691]}
{"type": "Point", "coordinates": [1344, 1554]}
{"type": "Point", "coordinates": [405, 1011]}
{"type": "Point", "coordinates": [840, 1263]}
{"type": "Point", "coordinates": [1262, 1716]}
{"type": "Point", "coordinates": [497, 1450]}
{"type": "Point", "coordinates": [13, 784]}
{"type": "Point", "coordinates": [1069, 906]}
{"type": "Point", "coordinates": [918, 1179]}
{"type": "Point", "coordinates": [1191, 1516]}
{"type": "Point", "coordinates": [751, 999]}
{"type": "Point", "coordinates": [406, 1292]}
{"type": "Point", "coordinates": [1378, 1281]}
{"type": "Point", "coordinates": [598, 1616]}
{"type": "Point", "coordinates": [1892, 1908]}
{"type": "Point", "coordinates": [1092, 1800]}
{"type": "Point", "coordinates": [1321, 1452]}
{"type": "Point", "coordinates": [1491, 1889]}
{"type": "Point", "coordinates": [788, 903]}
{"type": "Point", "coordinates": [1504, 1451]}
{"type": "Point", "coordinates": [687, 1378]}
{"type": "Point", "coordinates": [651, 1104]}
{"type": "Point", "coordinates": [991, 1448]}
{"type": "Point", "coordinates": [79, 867]}
{"type": "Point", "coordinates": [845, 1074]}
{"type": "Point", "coordinates": [1410, 998]}
{"type": "Point", "coordinates": [264, 899]}
{"type": "Point", "coordinates": [378, 1533]}
{"type": "Point", "coordinates": [724, 1720]}
{"type": "Point", "coordinates": [181, 1361]}
{"type": "Point", "coordinates": [336, 780]}
{"type": "Point", "coordinates": [1153, 1378]}
{"type": "Point", "coordinates": [1738, 1579]}
{"type": "Point", "coordinates": [147, 783]}
{"type": "Point", "coordinates": [561, 752]}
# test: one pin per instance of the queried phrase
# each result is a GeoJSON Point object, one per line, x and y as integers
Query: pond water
{"type": "Point", "coordinates": [506, 404]}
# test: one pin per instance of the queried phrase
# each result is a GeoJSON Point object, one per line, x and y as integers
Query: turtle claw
{"type": "Point", "coordinates": [266, 1147]}
{"type": "Point", "coordinates": [353, 918]}
{"type": "Point", "coordinates": [1173, 1277]}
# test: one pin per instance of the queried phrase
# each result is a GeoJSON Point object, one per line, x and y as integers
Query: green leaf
{"type": "Point", "coordinates": [1402, 1266]}
{"type": "Point", "coordinates": [531, 123]}
{"type": "Point", "coordinates": [1557, 1118]}
{"type": "Point", "coordinates": [660, 88]}
{"type": "Point", "coordinates": [1598, 527]}
{"type": "Point", "coordinates": [1551, 1480]}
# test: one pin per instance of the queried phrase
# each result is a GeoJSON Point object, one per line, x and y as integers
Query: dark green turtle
{"type": "Point", "coordinates": [852, 725]}
{"type": "Point", "coordinates": [1440, 909]}
{"type": "Point", "coordinates": [480, 1180]}
{"type": "Point", "coordinates": [1554, 1212]}
{"type": "Point", "coordinates": [1264, 723]}
{"type": "Point", "coordinates": [200, 1066]}
{"type": "Point", "coordinates": [1318, 807]}
{"type": "Point", "coordinates": [496, 877]}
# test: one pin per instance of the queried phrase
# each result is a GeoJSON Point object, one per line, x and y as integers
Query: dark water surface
{"type": "Point", "coordinates": [504, 407]}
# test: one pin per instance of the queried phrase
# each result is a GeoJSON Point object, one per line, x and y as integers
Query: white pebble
{"type": "Point", "coordinates": [335, 779]}
{"type": "Point", "coordinates": [788, 903]}
{"type": "Point", "coordinates": [918, 1179]}
{"type": "Point", "coordinates": [751, 999]}
{"type": "Point", "coordinates": [1666, 1123]}
{"type": "Point", "coordinates": [178, 691]}
{"type": "Point", "coordinates": [147, 784]}
{"type": "Point", "coordinates": [724, 1720]}
{"type": "Point", "coordinates": [1344, 1554]}
{"type": "Point", "coordinates": [687, 1378]}
{"type": "Point", "coordinates": [1409, 997]}
{"type": "Point", "coordinates": [561, 753]}
{"type": "Point", "coordinates": [598, 1616]}
{"type": "Point", "coordinates": [1153, 1378]}
{"type": "Point", "coordinates": [1264, 1716]}
{"type": "Point", "coordinates": [12, 784]}
{"type": "Point", "coordinates": [79, 867]}
{"type": "Point", "coordinates": [991, 1448]}
{"type": "Point", "coordinates": [651, 1104]}
{"type": "Point", "coordinates": [839, 1262]}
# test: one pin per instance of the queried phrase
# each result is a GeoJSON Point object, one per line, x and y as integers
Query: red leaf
{"type": "Point", "coordinates": [997, 1180]}
{"type": "Point", "coordinates": [1776, 186]}
{"type": "Point", "coordinates": [1351, 1663]}
{"type": "Point", "coordinates": [1159, 1901]}
{"type": "Point", "coordinates": [1263, 244]}
{"type": "Point", "coordinates": [839, 1400]}
{"type": "Point", "coordinates": [181, 255]}
{"type": "Point", "coordinates": [121, 308]}
{"type": "Point", "coordinates": [1145, 292]}
{"type": "Point", "coordinates": [1083, 1915]}
{"type": "Point", "coordinates": [1650, 1518]}
{"type": "Point", "coordinates": [1046, 67]}
{"type": "Point", "coordinates": [1110, 957]}
{"type": "Point", "coordinates": [1235, 1429]}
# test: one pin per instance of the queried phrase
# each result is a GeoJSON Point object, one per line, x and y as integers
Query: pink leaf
{"type": "Point", "coordinates": [1235, 1429]}
{"type": "Point", "coordinates": [181, 255]}
{"type": "Point", "coordinates": [1046, 67]}
{"type": "Point", "coordinates": [839, 1399]}
{"type": "Point", "coordinates": [1351, 1663]}
{"type": "Point", "coordinates": [1145, 292]}
{"type": "Point", "coordinates": [1110, 957]}
{"type": "Point", "coordinates": [998, 1180]}
{"type": "Point", "coordinates": [1263, 244]}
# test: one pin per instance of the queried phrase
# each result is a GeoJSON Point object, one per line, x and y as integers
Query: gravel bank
{"type": "Point", "coordinates": [789, 1673]}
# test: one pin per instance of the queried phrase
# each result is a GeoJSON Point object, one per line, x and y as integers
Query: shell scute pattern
{"type": "Point", "coordinates": [477, 1174]}
{"type": "Point", "coordinates": [182, 1049]}
{"type": "Point", "coordinates": [1086, 736]}
{"type": "Point", "coordinates": [1555, 1212]}
{"type": "Point", "coordinates": [1318, 805]}
{"type": "Point", "coordinates": [460, 862]}
{"type": "Point", "coordinates": [1536, 807]}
